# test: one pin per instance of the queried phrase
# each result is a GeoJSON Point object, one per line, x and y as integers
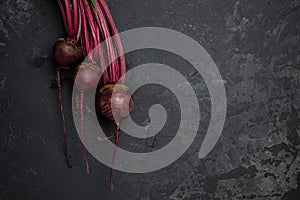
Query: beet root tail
{"type": "Point", "coordinates": [66, 151]}
{"type": "Point", "coordinates": [117, 132]}
{"type": "Point", "coordinates": [81, 103]}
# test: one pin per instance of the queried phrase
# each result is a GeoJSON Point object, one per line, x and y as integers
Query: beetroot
{"type": "Point", "coordinates": [87, 76]}
{"type": "Point", "coordinates": [114, 102]}
{"type": "Point", "coordinates": [67, 54]}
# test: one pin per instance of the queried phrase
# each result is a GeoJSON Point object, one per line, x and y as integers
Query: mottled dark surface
{"type": "Point", "coordinates": [256, 47]}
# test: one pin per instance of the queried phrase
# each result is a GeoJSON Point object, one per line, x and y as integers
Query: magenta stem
{"type": "Point", "coordinates": [122, 64]}
{"type": "Point", "coordinates": [90, 19]}
{"type": "Point", "coordinates": [79, 26]}
{"type": "Point", "coordinates": [85, 37]}
{"type": "Point", "coordinates": [99, 54]}
{"type": "Point", "coordinates": [63, 13]}
{"type": "Point", "coordinates": [110, 73]}
{"type": "Point", "coordinates": [69, 19]}
{"type": "Point", "coordinates": [76, 19]}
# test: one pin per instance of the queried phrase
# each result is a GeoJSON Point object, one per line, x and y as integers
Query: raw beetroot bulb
{"type": "Point", "coordinates": [67, 54]}
{"type": "Point", "coordinates": [87, 78]}
{"type": "Point", "coordinates": [114, 102]}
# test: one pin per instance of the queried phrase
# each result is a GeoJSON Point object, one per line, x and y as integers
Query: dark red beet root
{"type": "Point", "coordinates": [114, 102]}
{"type": "Point", "coordinates": [67, 54]}
{"type": "Point", "coordinates": [87, 76]}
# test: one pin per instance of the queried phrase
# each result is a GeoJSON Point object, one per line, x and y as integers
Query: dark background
{"type": "Point", "coordinates": [256, 47]}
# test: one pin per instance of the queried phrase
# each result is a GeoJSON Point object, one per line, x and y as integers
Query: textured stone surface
{"type": "Point", "coordinates": [256, 47]}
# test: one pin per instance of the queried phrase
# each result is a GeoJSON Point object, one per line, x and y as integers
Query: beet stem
{"type": "Point", "coordinates": [117, 132]}
{"type": "Point", "coordinates": [99, 52]}
{"type": "Point", "coordinates": [79, 25]}
{"type": "Point", "coordinates": [85, 35]}
{"type": "Point", "coordinates": [90, 19]}
{"type": "Point", "coordinates": [69, 19]}
{"type": "Point", "coordinates": [63, 13]}
{"type": "Point", "coordinates": [75, 16]}
{"type": "Point", "coordinates": [81, 102]}
{"type": "Point", "coordinates": [119, 47]}
{"type": "Point", "coordinates": [110, 73]}
{"type": "Point", "coordinates": [67, 155]}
